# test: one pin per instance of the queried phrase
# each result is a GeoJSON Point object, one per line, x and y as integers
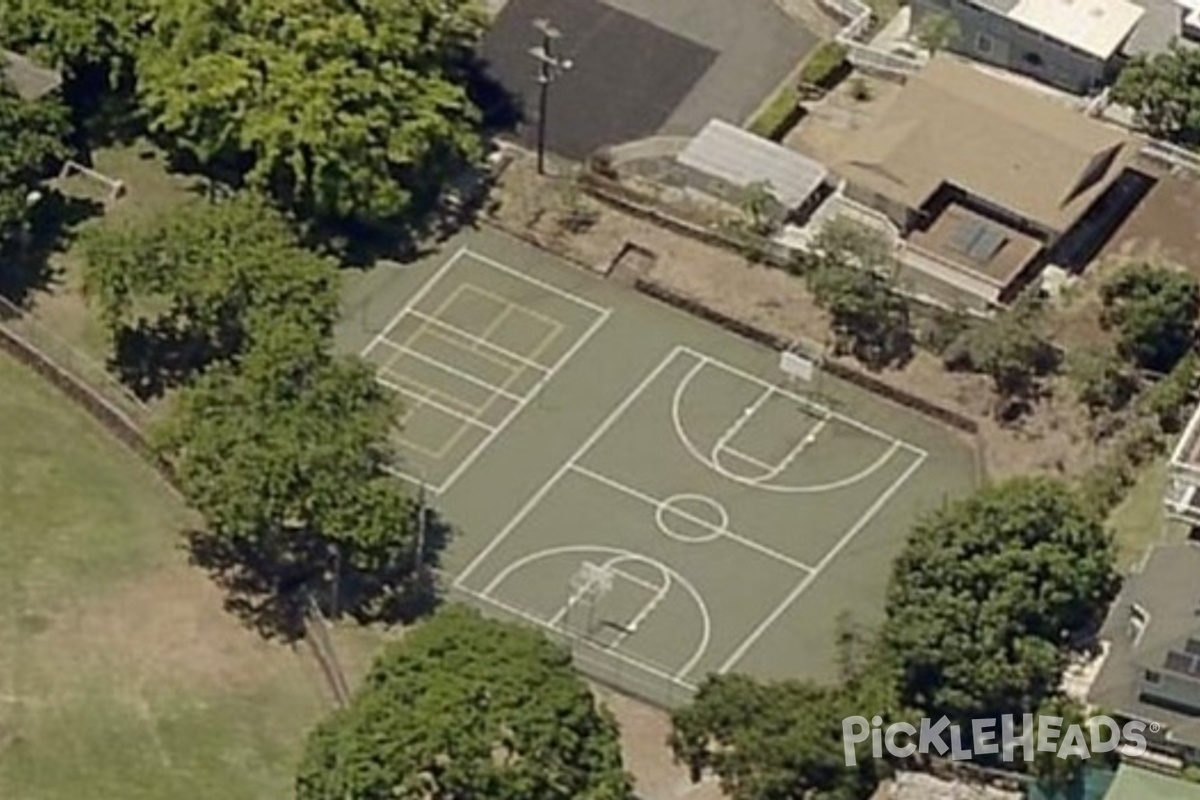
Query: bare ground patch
{"type": "Point", "coordinates": [1053, 439]}
{"type": "Point", "coordinates": [164, 628]}
{"type": "Point", "coordinates": [644, 731]}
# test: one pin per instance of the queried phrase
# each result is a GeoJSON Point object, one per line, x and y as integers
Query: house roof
{"type": "Point", "coordinates": [1167, 590]}
{"type": "Point", "coordinates": [29, 80]}
{"type": "Point", "coordinates": [1015, 148]}
{"type": "Point", "coordinates": [741, 158]}
{"type": "Point", "coordinates": [1132, 783]}
{"type": "Point", "coordinates": [1097, 27]}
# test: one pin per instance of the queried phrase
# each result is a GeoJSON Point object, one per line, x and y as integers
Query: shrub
{"type": "Point", "coordinates": [778, 116]}
{"type": "Point", "coordinates": [825, 66]}
{"type": "Point", "coordinates": [1168, 400]}
{"type": "Point", "coordinates": [1154, 310]}
{"type": "Point", "coordinates": [1102, 380]}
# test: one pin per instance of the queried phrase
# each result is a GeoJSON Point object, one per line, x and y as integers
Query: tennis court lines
{"type": "Point", "coordinates": [474, 346]}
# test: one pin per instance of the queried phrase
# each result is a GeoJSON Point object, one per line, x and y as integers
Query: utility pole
{"type": "Point", "coordinates": [550, 67]}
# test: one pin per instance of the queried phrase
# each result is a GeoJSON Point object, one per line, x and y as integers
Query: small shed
{"type": "Point", "coordinates": [30, 80]}
{"type": "Point", "coordinates": [738, 159]}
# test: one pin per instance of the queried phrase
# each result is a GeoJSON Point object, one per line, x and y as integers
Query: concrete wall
{"type": "Point", "coordinates": [993, 39]}
{"type": "Point", "coordinates": [901, 215]}
{"type": "Point", "coordinates": [1172, 691]}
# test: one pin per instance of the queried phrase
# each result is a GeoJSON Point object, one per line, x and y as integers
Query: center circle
{"type": "Point", "coordinates": [705, 517]}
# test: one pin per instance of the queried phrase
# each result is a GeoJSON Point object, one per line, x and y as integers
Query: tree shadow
{"type": "Point", "coordinates": [270, 589]}
{"type": "Point", "coordinates": [53, 224]}
{"type": "Point", "coordinates": [153, 356]}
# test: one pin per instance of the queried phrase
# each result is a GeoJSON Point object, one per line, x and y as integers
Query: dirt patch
{"type": "Point", "coordinates": [1163, 226]}
{"type": "Point", "coordinates": [644, 731]}
{"type": "Point", "coordinates": [1053, 439]}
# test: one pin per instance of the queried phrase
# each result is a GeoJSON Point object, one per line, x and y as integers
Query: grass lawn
{"type": "Point", "coordinates": [121, 676]}
{"type": "Point", "coordinates": [150, 190]}
{"type": "Point", "coordinates": [1139, 521]}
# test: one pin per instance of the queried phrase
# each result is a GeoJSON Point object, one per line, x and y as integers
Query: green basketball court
{"type": "Point", "coordinates": [648, 488]}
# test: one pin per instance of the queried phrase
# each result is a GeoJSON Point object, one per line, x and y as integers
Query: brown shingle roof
{"type": "Point", "coordinates": [1007, 144]}
{"type": "Point", "coordinates": [29, 80]}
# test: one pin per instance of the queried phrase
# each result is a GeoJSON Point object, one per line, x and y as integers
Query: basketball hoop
{"type": "Point", "coordinates": [592, 581]}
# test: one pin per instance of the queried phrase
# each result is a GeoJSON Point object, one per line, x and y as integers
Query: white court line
{"type": "Point", "coordinates": [565, 467]}
{"type": "Point", "coordinates": [654, 501]}
{"type": "Point", "coordinates": [749, 459]}
{"type": "Point", "coordinates": [425, 400]}
{"type": "Point", "coordinates": [690, 446]}
{"type": "Point", "coordinates": [478, 342]}
{"type": "Point", "coordinates": [794, 453]}
{"type": "Point", "coordinates": [802, 401]}
{"type": "Point", "coordinates": [644, 612]}
{"type": "Point", "coordinates": [526, 400]}
{"type": "Point", "coordinates": [458, 373]}
{"type": "Point", "coordinates": [828, 558]}
{"type": "Point", "coordinates": [412, 301]}
{"type": "Point", "coordinates": [533, 619]}
{"type": "Point", "coordinates": [578, 594]}
{"type": "Point", "coordinates": [574, 298]}
{"type": "Point", "coordinates": [619, 555]}
{"type": "Point", "coordinates": [496, 322]}
{"type": "Point", "coordinates": [747, 413]}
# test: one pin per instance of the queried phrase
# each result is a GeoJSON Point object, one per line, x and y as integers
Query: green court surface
{"type": "Point", "coordinates": [650, 489]}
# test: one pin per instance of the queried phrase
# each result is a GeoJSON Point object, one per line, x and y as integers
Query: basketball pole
{"type": "Point", "coordinates": [549, 68]}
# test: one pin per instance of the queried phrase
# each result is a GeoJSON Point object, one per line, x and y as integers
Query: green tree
{"type": "Point", "coordinates": [341, 111]}
{"type": "Point", "coordinates": [1163, 89]}
{"type": "Point", "coordinates": [760, 208]}
{"type": "Point", "coordinates": [467, 707]}
{"type": "Point", "coordinates": [1010, 349]}
{"type": "Point", "coordinates": [848, 271]}
{"type": "Point", "coordinates": [989, 593]}
{"type": "Point", "coordinates": [936, 32]}
{"type": "Point", "coordinates": [34, 134]}
{"type": "Point", "coordinates": [1154, 310]}
{"type": "Point", "coordinates": [93, 43]}
{"type": "Point", "coordinates": [772, 741]}
{"type": "Point", "coordinates": [1169, 399]}
{"type": "Point", "coordinates": [1103, 381]}
{"type": "Point", "coordinates": [284, 456]}
{"type": "Point", "coordinates": [200, 284]}
{"type": "Point", "coordinates": [1057, 776]}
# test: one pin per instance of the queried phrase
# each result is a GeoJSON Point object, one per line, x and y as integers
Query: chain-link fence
{"type": "Point", "coordinates": [656, 684]}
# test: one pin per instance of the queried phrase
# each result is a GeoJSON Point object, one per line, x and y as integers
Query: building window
{"type": "Point", "coordinates": [1153, 677]}
{"type": "Point", "coordinates": [1033, 59]}
{"type": "Point", "coordinates": [983, 43]}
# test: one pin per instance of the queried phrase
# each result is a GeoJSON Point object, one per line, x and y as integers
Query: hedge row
{"type": "Point", "coordinates": [837, 369]}
{"type": "Point", "coordinates": [779, 115]}
{"type": "Point", "coordinates": [826, 66]}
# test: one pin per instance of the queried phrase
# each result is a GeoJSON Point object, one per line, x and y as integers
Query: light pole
{"type": "Point", "coordinates": [550, 67]}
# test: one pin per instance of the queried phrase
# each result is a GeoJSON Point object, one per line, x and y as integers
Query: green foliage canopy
{"type": "Point", "coordinates": [201, 284]}
{"type": "Point", "coordinates": [341, 111]}
{"type": "Point", "coordinates": [466, 707]}
{"type": "Point", "coordinates": [1154, 309]}
{"type": "Point", "coordinates": [34, 135]}
{"type": "Point", "coordinates": [77, 35]}
{"type": "Point", "coordinates": [1164, 91]}
{"type": "Point", "coordinates": [770, 741]}
{"type": "Point", "coordinates": [284, 455]}
{"type": "Point", "coordinates": [988, 594]}
{"type": "Point", "coordinates": [869, 318]}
